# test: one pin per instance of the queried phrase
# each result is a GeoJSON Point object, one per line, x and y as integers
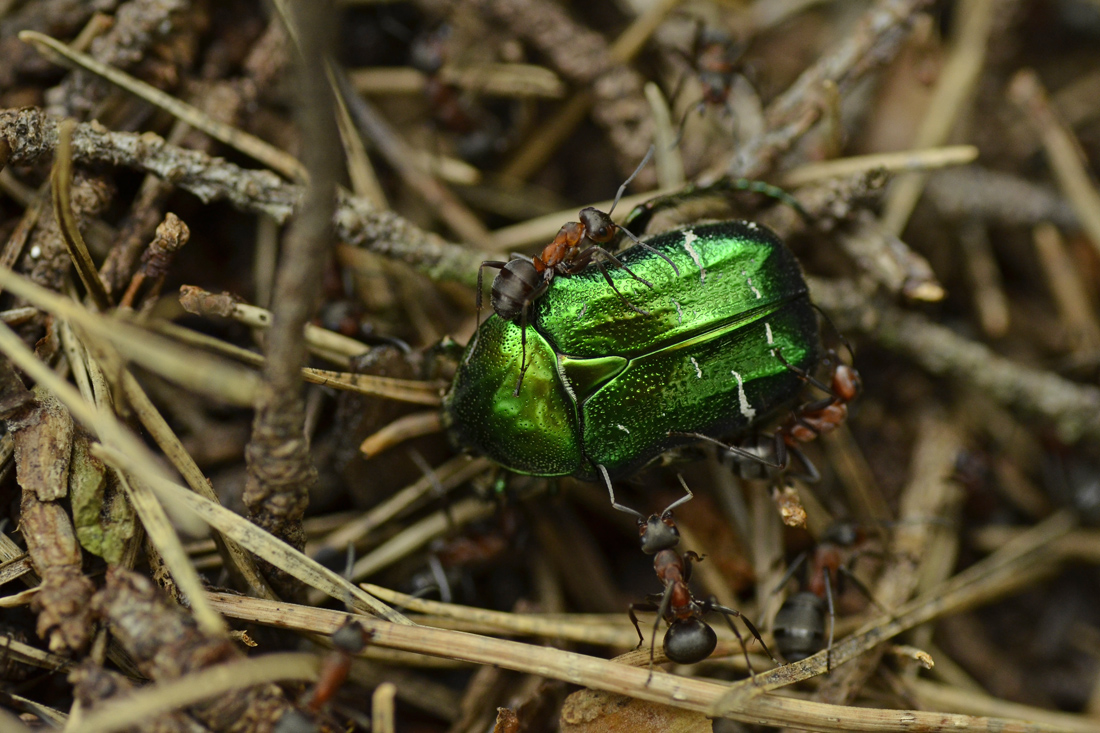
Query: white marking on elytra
{"type": "Point", "coordinates": [622, 427]}
{"type": "Point", "coordinates": [698, 371]}
{"type": "Point", "coordinates": [746, 409]}
{"type": "Point", "coordinates": [679, 313]}
{"type": "Point", "coordinates": [751, 286]}
{"type": "Point", "coordinates": [751, 225]}
{"type": "Point", "coordinates": [689, 237]}
{"type": "Point", "coordinates": [768, 331]}
{"type": "Point", "coordinates": [583, 309]}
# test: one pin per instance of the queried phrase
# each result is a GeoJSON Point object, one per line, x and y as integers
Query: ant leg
{"type": "Point", "coordinates": [523, 349]}
{"type": "Point", "coordinates": [806, 377]}
{"type": "Point", "coordinates": [843, 340]}
{"type": "Point", "coordinates": [633, 617]}
{"type": "Point", "coordinates": [739, 452]}
{"type": "Point", "coordinates": [713, 605]}
{"type": "Point", "coordinates": [627, 303]}
{"type": "Point", "coordinates": [618, 263]}
{"type": "Point", "coordinates": [611, 491]}
{"type": "Point", "coordinates": [791, 570]}
{"type": "Point", "coordinates": [727, 613]}
{"type": "Point", "coordinates": [811, 475]}
{"type": "Point", "coordinates": [700, 107]}
{"type": "Point", "coordinates": [832, 623]}
{"type": "Point", "coordinates": [666, 600]}
{"type": "Point", "coordinates": [531, 298]}
{"type": "Point", "coordinates": [862, 588]}
{"type": "Point", "coordinates": [477, 331]}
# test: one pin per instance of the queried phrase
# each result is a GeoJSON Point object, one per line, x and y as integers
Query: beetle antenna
{"type": "Point", "coordinates": [611, 491]}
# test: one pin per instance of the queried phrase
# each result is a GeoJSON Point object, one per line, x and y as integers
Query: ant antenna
{"type": "Point", "coordinates": [682, 499]}
{"type": "Point", "coordinates": [611, 491]}
{"type": "Point", "coordinates": [843, 339]}
{"type": "Point", "coordinates": [622, 188]}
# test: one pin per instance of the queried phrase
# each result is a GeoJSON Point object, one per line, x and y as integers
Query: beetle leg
{"type": "Point", "coordinates": [477, 331]}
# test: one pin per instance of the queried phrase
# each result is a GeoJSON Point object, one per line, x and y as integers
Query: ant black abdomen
{"type": "Point", "coordinates": [799, 628]}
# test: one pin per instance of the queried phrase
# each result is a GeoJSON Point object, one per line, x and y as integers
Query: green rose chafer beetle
{"type": "Point", "coordinates": [610, 388]}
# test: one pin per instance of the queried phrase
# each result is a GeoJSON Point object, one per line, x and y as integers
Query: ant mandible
{"type": "Point", "coordinates": [522, 281]}
{"type": "Point", "coordinates": [689, 639]}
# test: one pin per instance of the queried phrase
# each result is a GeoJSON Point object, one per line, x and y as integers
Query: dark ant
{"type": "Point", "coordinates": [522, 281]}
{"type": "Point", "coordinates": [347, 641]}
{"type": "Point", "coordinates": [715, 59]}
{"type": "Point", "coordinates": [769, 457]}
{"type": "Point", "coordinates": [689, 639]}
{"type": "Point", "coordinates": [799, 627]}
{"type": "Point", "coordinates": [477, 131]}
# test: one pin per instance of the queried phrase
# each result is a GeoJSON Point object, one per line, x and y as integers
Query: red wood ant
{"type": "Point", "coordinates": [522, 281]}
{"type": "Point", "coordinates": [800, 623]}
{"type": "Point", "coordinates": [769, 457]}
{"type": "Point", "coordinates": [347, 641]}
{"type": "Point", "coordinates": [689, 639]}
{"type": "Point", "coordinates": [715, 58]}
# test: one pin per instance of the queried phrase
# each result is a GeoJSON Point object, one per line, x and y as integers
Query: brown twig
{"type": "Point", "coordinates": [281, 473]}
{"type": "Point", "coordinates": [1066, 156]}
{"type": "Point", "coordinates": [1071, 409]}
{"type": "Point", "coordinates": [874, 41]}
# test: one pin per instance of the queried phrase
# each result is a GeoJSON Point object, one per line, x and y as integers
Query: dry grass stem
{"type": "Point", "coordinates": [248, 144]}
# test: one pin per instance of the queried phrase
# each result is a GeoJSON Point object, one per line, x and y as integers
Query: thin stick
{"type": "Point", "coordinates": [600, 674]}
{"type": "Point", "coordinates": [955, 86]}
{"type": "Point", "coordinates": [1063, 150]}
{"type": "Point", "coordinates": [265, 545]}
{"type": "Point", "coordinates": [901, 161]}
{"type": "Point", "coordinates": [250, 145]}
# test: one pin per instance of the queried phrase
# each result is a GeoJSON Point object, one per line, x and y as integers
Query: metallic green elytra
{"type": "Point", "coordinates": [606, 385]}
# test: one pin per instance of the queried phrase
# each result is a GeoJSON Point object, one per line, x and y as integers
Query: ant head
{"type": "Point", "coordinates": [350, 638]}
{"type": "Point", "coordinates": [658, 533]}
{"type": "Point", "coordinates": [690, 640]}
{"type": "Point", "coordinates": [597, 225]}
